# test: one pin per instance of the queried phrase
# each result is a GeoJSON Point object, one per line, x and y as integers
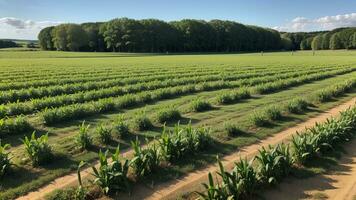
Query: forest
{"type": "Point", "coordinates": [7, 44]}
{"type": "Point", "coordinates": [187, 35]}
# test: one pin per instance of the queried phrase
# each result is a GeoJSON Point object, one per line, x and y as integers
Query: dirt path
{"type": "Point", "coordinates": [191, 181]}
{"type": "Point", "coordinates": [338, 184]}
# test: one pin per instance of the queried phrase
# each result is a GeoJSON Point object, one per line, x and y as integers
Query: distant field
{"type": "Point", "coordinates": [54, 92]}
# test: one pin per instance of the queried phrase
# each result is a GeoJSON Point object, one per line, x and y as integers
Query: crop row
{"type": "Point", "coordinates": [34, 93]}
{"type": "Point", "coordinates": [132, 79]}
{"type": "Point", "coordinates": [57, 101]}
{"type": "Point", "coordinates": [40, 82]}
{"type": "Point", "coordinates": [85, 79]}
{"type": "Point", "coordinates": [274, 163]}
{"type": "Point", "coordinates": [77, 111]}
{"type": "Point", "coordinates": [21, 125]}
{"type": "Point", "coordinates": [267, 168]}
{"type": "Point", "coordinates": [75, 71]}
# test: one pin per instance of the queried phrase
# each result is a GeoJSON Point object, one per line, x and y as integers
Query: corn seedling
{"type": "Point", "coordinates": [38, 149]}
{"type": "Point", "coordinates": [83, 139]}
{"type": "Point", "coordinates": [111, 176]}
{"type": "Point", "coordinates": [200, 105]}
{"type": "Point", "coordinates": [5, 159]}
{"type": "Point", "coordinates": [121, 127]}
{"type": "Point", "coordinates": [104, 133]}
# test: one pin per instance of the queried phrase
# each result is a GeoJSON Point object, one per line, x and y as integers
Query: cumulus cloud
{"type": "Point", "coordinates": [322, 23]}
{"type": "Point", "coordinates": [15, 28]}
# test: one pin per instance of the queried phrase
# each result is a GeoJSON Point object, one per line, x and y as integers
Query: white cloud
{"type": "Point", "coordinates": [322, 23]}
{"type": "Point", "coordinates": [15, 28]}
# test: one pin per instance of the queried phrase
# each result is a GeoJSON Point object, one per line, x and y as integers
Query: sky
{"type": "Point", "coordinates": [23, 19]}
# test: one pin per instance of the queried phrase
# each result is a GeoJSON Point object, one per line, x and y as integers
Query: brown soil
{"type": "Point", "coordinates": [191, 181]}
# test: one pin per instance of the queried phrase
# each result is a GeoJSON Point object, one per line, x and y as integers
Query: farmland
{"type": "Point", "coordinates": [86, 102]}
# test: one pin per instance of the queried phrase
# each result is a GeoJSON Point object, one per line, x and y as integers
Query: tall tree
{"type": "Point", "coordinates": [316, 44]}
{"type": "Point", "coordinates": [60, 37]}
{"type": "Point", "coordinates": [45, 38]}
{"type": "Point", "coordinates": [335, 42]}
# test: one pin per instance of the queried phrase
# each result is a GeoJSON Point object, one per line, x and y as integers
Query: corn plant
{"type": "Point", "coordinates": [273, 113]}
{"type": "Point", "coordinates": [200, 105]}
{"type": "Point", "coordinates": [304, 147]}
{"type": "Point", "coordinates": [142, 122]}
{"type": "Point", "coordinates": [5, 159]}
{"type": "Point", "coordinates": [81, 192]}
{"type": "Point", "coordinates": [171, 144]}
{"type": "Point", "coordinates": [121, 127]}
{"type": "Point", "coordinates": [214, 191]}
{"type": "Point", "coordinates": [111, 176]}
{"type": "Point", "coordinates": [146, 160]}
{"type": "Point", "coordinates": [168, 114]}
{"type": "Point", "coordinates": [259, 118]}
{"type": "Point", "coordinates": [297, 106]}
{"type": "Point", "coordinates": [104, 133]}
{"type": "Point", "coordinates": [272, 163]}
{"type": "Point", "coordinates": [83, 139]}
{"type": "Point", "coordinates": [247, 177]}
{"type": "Point", "coordinates": [38, 149]}
{"type": "Point", "coordinates": [182, 141]}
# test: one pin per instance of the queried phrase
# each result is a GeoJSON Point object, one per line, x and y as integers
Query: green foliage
{"type": "Point", "coordinates": [273, 113]}
{"type": "Point", "coordinates": [233, 96]}
{"type": "Point", "coordinates": [259, 118]}
{"type": "Point", "coordinates": [112, 176]}
{"type": "Point", "coordinates": [146, 160]}
{"type": "Point", "coordinates": [17, 125]}
{"type": "Point", "coordinates": [274, 163]}
{"type": "Point", "coordinates": [5, 159]}
{"type": "Point", "coordinates": [239, 183]}
{"type": "Point", "coordinates": [83, 138]}
{"type": "Point", "coordinates": [297, 105]}
{"type": "Point", "coordinates": [200, 105]}
{"type": "Point", "coordinates": [142, 122]}
{"type": "Point", "coordinates": [168, 114]}
{"type": "Point", "coordinates": [232, 129]}
{"type": "Point", "coordinates": [81, 192]}
{"type": "Point", "coordinates": [38, 149]}
{"type": "Point", "coordinates": [121, 127]}
{"type": "Point", "coordinates": [104, 133]}
{"type": "Point", "coordinates": [183, 141]}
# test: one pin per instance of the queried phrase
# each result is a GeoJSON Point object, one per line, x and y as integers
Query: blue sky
{"type": "Point", "coordinates": [24, 18]}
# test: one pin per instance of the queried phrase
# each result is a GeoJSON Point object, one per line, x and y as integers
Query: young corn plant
{"type": "Point", "coordinates": [168, 114]}
{"type": "Point", "coordinates": [273, 113]}
{"type": "Point", "coordinates": [304, 147]}
{"type": "Point", "coordinates": [80, 192]}
{"type": "Point", "coordinates": [171, 144]}
{"type": "Point", "coordinates": [142, 122]}
{"type": "Point", "coordinates": [259, 119]}
{"type": "Point", "coordinates": [83, 139]}
{"type": "Point", "coordinates": [247, 176]}
{"type": "Point", "coordinates": [271, 163]}
{"type": "Point", "coordinates": [5, 159]}
{"type": "Point", "coordinates": [111, 176]}
{"type": "Point", "coordinates": [200, 105]}
{"type": "Point", "coordinates": [38, 149]}
{"type": "Point", "coordinates": [214, 191]}
{"type": "Point", "coordinates": [146, 160]}
{"type": "Point", "coordinates": [104, 133]}
{"type": "Point", "coordinates": [121, 127]}
{"type": "Point", "coordinates": [297, 106]}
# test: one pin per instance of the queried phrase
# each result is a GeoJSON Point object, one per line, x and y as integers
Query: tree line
{"type": "Point", "coordinates": [340, 38]}
{"type": "Point", "coordinates": [7, 44]}
{"type": "Point", "coordinates": [152, 35]}
{"type": "Point", "coordinates": [187, 35]}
